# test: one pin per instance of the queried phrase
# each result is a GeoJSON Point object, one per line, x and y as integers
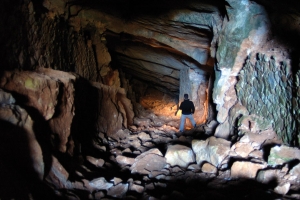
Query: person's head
{"type": "Point", "coordinates": [186, 96]}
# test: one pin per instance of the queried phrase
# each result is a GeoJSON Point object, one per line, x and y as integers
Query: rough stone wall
{"type": "Point", "coordinates": [247, 31]}
{"type": "Point", "coordinates": [44, 38]}
{"type": "Point", "coordinates": [265, 88]}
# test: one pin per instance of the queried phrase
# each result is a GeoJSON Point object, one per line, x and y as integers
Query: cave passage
{"type": "Point", "coordinates": [89, 91]}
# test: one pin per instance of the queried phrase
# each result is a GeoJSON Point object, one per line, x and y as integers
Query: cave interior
{"type": "Point", "coordinates": [89, 91]}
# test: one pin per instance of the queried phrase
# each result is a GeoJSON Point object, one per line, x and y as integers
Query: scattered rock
{"type": "Point", "coordinates": [123, 160]}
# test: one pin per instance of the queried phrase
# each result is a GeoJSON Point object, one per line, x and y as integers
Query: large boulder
{"type": "Point", "coordinates": [241, 169]}
{"type": "Point", "coordinates": [179, 155]}
{"type": "Point", "coordinates": [212, 150]}
{"type": "Point", "coordinates": [283, 154]}
{"type": "Point", "coordinates": [148, 161]}
{"type": "Point", "coordinates": [114, 109]}
{"type": "Point", "coordinates": [18, 141]}
{"type": "Point", "coordinates": [48, 95]}
{"type": "Point", "coordinates": [58, 175]}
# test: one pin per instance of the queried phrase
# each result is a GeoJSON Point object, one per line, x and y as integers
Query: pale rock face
{"type": "Point", "coordinates": [213, 150]}
{"type": "Point", "coordinates": [245, 169]}
{"type": "Point", "coordinates": [179, 155]}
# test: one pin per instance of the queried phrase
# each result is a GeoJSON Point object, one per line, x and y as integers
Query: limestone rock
{"type": "Point", "coordinates": [48, 92]}
{"type": "Point", "coordinates": [40, 90]}
{"type": "Point", "coordinates": [283, 188]}
{"type": "Point", "coordinates": [18, 140]}
{"type": "Point", "coordinates": [99, 195]}
{"type": "Point", "coordinates": [266, 176]}
{"type": "Point", "coordinates": [142, 122]}
{"type": "Point", "coordinates": [208, 168]}
{"type": "Point", "coordinates": [100, 184]}
{"type": "Point", "coordinates": [179, 155]}
{"type": "Point", "coordinates": [256, 154]}
{"type": "Point", "coordinates": [283, 154]}
{"type": "Point", "coordinates": [212, 150]}
{"type": "Point", "coordinates": [58, 175]}
{"type": "Point", "coordinates": [115, 100]}
{"type": "Point", "coordinates": [6, 98]}
{"type": "Point", "coordinates": [144, 136]}
{"type": "Point", "coordinates": [137, 188]}
{"type": "Point", "coordinates": [223, 130]}
{"type": "Point", "coordinates": [118, 191]}
{"type": "Point", "coordinates": [295, 171]}
{"type": "Point", "coordinates": [257, 139]}
{"type": "Point", "coordinates": [245, 169]}
{"type": "Point", "coordinates": [194, 167]}
{"type": "Point", "coordinates": [116, 180]}
{"type": "Point", "coordinates": [96, 162]}
{"type": "Point", "coordinates": [65, 109]}
{"type": "Point", "coordinates": [148, 161]}
{"type": "Point", "coordinates": [123, 160]}
{"type": "Point", "coordinates": [242, 149]}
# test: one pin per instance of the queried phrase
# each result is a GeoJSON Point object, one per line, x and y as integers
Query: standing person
{"type": "Point", "coordinates": [188, 110]}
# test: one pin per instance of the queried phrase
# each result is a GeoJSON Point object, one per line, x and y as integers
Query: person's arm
{"type": "Point", "coordinates": [192, 107]}
{"type": "Point", "coordinates": [178, 108]}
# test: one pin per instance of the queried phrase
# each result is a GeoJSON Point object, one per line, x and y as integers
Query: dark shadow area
{"type": "Point", "coordinates": [129, 10]}
{"type": "Point", "coordinates": [18, 177]}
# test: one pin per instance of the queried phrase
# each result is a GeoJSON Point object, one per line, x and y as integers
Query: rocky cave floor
{"type": "Point", "coordinates": [133, 166]}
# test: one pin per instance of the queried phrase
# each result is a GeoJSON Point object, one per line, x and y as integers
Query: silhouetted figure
{"type": "Point", "coordinates": [188, 110]}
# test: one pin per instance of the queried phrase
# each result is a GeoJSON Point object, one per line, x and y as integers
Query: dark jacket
{"type": "Point", "coordinates": [187, 107]}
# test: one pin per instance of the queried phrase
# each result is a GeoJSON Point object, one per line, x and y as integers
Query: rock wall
{"type": "Point", "coordinates": [43, 38]}
{"type": "Point", "coordinates": [265, 89]}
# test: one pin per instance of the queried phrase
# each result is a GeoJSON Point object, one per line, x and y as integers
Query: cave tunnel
{"type": "Point", "coordinates": [89, 91]}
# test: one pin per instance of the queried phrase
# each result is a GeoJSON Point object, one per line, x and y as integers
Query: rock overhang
{"type": "Point", "coordinates": [153, 42]}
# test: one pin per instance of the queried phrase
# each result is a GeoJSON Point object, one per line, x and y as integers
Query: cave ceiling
{"type": "Point", "coordinates": [153, 41]}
